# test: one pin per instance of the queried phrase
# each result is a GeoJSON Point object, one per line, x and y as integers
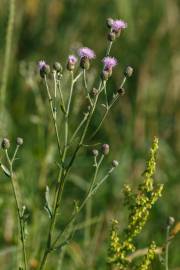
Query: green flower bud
{"type": "Point", "coordinates": [171, 221]}
{"type": "Point", "coordinates": [111, 36]}
{"type": "Point", "coordinates": [105, 149]}
{"type": "Point", "coordinates": [57, 67]}
{"type": "Point", "coordinates": [121, 91]}
{"type": "Point", "coordinates": [115, 163]}
{"type": "Point", "coordinates": [105, 75]}
{"type": "Point", "coordinates": [19, 141]}
{"type": "Point", "coordinates": [128, 71]}
{"type": "Point", "coordinates": [85, 63]}
{"type": "Point", "coordinates": [109, 22]}
{"type": "Point", "coordinates": [95, 152]}
{"type": "Point", "coordinates": [5, 143]}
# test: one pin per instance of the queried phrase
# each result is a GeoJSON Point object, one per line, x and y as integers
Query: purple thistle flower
{"type": "Point", "coordinates": [109, 62]}
{"type": "Point", "coordinates": [44, 69]}
{"type": "Point", "coordinates": [41, 65]}
{"type": "Point", "coordinates": [86, 53]}
{"type": "Point", "coordinates": [117, 25]}
{"type": "Point", "coordinates": [72, 59]}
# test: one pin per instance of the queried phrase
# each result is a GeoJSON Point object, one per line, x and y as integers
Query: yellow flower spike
{"type": "Point", "coordinates": [139, 204]}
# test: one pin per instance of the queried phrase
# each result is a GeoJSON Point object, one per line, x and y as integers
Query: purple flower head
{"type": "Point", "coordinates": [72, 59]}
{"type": "Point", "coordinates": [41, 65]}
{"type": "Point", "coordinates": [109, 62]}
{"type": "Point", "coordinates": [117, 25]}
{"type": "Point", "coordinates": [86, 52]}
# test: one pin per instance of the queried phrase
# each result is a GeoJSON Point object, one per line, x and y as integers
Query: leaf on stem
{"type": "Point", "coordinates": [5, 170]}
{"type": "Point", "coordinates": [47, 206]}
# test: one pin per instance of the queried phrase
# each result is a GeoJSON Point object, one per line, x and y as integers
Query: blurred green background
{"type": "Point", "coordinates": [50, 30]}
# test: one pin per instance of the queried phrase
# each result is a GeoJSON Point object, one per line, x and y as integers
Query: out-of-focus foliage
{"type": "Point", "coordinates": [50, 30]}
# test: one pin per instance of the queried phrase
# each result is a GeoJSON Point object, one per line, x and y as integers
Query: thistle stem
{"type": "Point", "coordinates": [107, 110]}
{"type": "Point", "coordinates": [22, 236]}
{"type": "Point", "coordinates": [53, 116]}
{"type": "Point", "coordinates": [64, 171]}
{"type": "Point", "coordinates": [86, 87]}
{"type": "Point", "coordinates": [109, 48]}
{"type": "Point", "coordinates": [167, 248]}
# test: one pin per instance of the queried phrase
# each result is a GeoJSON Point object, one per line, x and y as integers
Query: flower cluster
{"type": "Point", "coordinates": [86, 54]}
{"type": "Point", "coordinates": [139, 204]}
{"type": "Point", "coordinates": [116, 26]}
{"type": "Point", "coordinates": [148, 258]}
{"type": "Point", "coordinates": [109, 64]}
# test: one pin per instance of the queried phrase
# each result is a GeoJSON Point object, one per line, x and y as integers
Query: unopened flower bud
{"type": "Point", "coordinates": [5, 143]}
{"type": "Point", "coordinates": [105, 149]}
{"type": "Point", "coordinates": [115, 163]}
{"type": "Point", "coordinates": [94, 92]}
{"type": "Point", "coordinates": [111, 36]}
{"type": "Point", "coordinates": [45, 70]}
{"type": "Point", "coordinates": [72, 60]}
{"type": "Point", "coordinates": [109, 22]}
{"type": "Point", "coordinates": [128, 71]}
{"type": "Point", "coordinates": [85, 63]}
{"type": "Point", "coordinates": [19, 141]}
{"type": "Point", "coordinates": [121, 91]}
{"type": "Point", "coordinates": [170, 221]}
{"type": "Point", "coordinates": [95, 152]}
{"type": "Point", "coordinates": [57, 67]}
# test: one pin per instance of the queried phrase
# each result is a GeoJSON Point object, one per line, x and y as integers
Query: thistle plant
{"type": "Point", "coordinates": [70, 141]}
{"type": "Point", "coordinates": [68, 138]}
{"type": "Point", "coordinates": [21, 209]}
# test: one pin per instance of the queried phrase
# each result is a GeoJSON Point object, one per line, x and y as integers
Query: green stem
{"type": "Point", "coordinates": [60, 186]}
{"type": "Point", "coordinates": [109, 48]}
{"type": "Point", "coordinates": [83, 202]}
{"type": "Point", "coordinates": [79, 127]}
{"type": "Point", "coordinates": [167, 249]}
{"type": "Point", "coordinates": [10, 163]}
{"type": "Point", "coordinates": [53, 116]}
{"type": "Point", "coordinates": [8, 50]}
{"type": "Point", "coordinates": [86, 87]}
{"type": "Point", "coordinates": [61, 95]}
{"type": "Point", "coordinates": [107, 110]}
{"type": "Point", "coordinates": [106, 97]}
{"type": "Point", "coordinates": [55, 95]}
{"type": "Point", "coordinates": [64, 171]}
{"type": "Point", "coordinates": [93, 191]}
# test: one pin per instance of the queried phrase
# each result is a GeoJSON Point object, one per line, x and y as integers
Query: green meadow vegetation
{"type": "Point", "coordinates": [78, 192]}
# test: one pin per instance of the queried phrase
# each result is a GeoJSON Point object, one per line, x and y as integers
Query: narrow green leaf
{"type": "Point", "coordinates": [5, 170]}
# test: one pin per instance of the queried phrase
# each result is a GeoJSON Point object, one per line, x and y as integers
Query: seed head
{"type": "Point", "coordinates": [5, 143]}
